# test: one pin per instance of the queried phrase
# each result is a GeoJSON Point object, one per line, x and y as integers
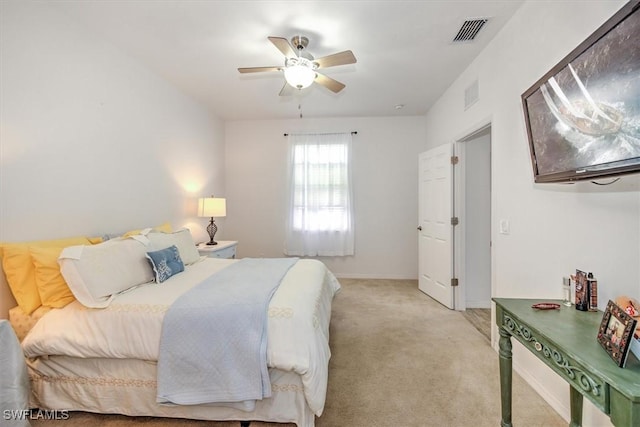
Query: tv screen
{"type": "Point", "coordinates": [583, 116]}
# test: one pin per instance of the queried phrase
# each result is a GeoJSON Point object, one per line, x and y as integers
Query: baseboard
{"type": "Point", "coordinates": [373, 276]}
{"type": "Point", "coordinates": [478, 304]}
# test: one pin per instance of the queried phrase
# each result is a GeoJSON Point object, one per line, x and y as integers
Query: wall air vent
{"type": "Point", "coordinates": [469, 30]}
{"type": "Point", "coordinates": [471, 94]}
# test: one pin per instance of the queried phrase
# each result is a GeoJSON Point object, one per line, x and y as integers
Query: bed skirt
{"type": "Point", "coordinates": [128, 387]}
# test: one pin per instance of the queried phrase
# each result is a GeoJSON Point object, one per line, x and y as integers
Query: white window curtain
{"type": "Point", "coordinates": [320, 212]}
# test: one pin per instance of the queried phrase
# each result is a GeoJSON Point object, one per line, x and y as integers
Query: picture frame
{"type": "Point", "coordinates": [616, 332]}
{"type": "Point", "coordinates": [581, 116]}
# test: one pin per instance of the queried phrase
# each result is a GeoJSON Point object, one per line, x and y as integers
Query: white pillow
{"type": "Point", "coordinates": [182, 239]}
{"type": "Point", "coordinates": [96, 273]}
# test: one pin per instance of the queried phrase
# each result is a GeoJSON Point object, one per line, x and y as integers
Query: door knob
{"type": "Point", "coordinates": [419, 228]}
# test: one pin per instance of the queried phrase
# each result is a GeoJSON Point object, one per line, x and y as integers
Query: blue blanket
{"type": "Point", "coordinates": [214, 337]}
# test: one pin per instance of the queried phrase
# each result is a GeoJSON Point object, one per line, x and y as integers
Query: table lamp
{"type": "Point", "coordinates": [212, 207]}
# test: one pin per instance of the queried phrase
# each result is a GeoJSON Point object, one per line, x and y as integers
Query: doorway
{"type": "Point", "coordinates": [473, 240]}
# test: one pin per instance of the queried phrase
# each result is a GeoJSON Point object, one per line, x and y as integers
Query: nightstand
{"type": "Point", "coordinates": [224, 249]}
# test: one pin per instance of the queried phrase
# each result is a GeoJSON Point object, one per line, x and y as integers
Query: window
{"type": "Point", "coordinates": [320, 218]}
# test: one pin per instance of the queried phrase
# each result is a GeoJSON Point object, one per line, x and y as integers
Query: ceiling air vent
{"type": "Point", "coordinates": [469, 30]}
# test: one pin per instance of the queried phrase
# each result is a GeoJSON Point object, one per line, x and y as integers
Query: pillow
{"type": "Point", "coordinates": [163, 228]}
{"type": "Point", "coordinates": [23, 323]}
{"type": "Point", "coordinates": [181, 239]}
{"type": "Point", "coordinates": [52, 288]}
{"type": "Point", "coordinates": [95, 274]}
{"type": "Point", "coordinates": [165, 263]}
{"type": "Point", "coordinates": [95, 240]}
{"type": "Point", "coordinates": [20, 272]}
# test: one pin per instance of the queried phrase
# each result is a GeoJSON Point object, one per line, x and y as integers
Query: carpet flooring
{"type": "Point", "coordinates": [398, 359]}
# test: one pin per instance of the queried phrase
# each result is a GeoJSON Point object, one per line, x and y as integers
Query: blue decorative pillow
{"type": "Point", "coordinates": [165, 263]}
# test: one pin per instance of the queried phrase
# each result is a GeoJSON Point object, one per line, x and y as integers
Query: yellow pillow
{"type": "Point", "coordinates": [52, 288]}
{"type": "Point", "coordinates": [164, 228]}
{"type": "Point", "coordinates": [20, 271]}
{"type": "Point", "coordinates": [20, 274]}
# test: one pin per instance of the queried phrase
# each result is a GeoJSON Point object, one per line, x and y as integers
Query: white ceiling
{"type": "Point", "coordinates": [404, 49]}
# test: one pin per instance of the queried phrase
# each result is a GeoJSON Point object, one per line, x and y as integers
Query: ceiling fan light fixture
{"type": "Point", "coordinates": [299, 76]}
{"type": "Point", "coordinates": [300, 66]}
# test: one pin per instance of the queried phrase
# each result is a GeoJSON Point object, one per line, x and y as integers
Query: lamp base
{"type": "Point", "coordinates": [211, 229]}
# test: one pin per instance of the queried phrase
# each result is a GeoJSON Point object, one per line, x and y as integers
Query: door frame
{"type": "Point", "coordinates": [459, 244]}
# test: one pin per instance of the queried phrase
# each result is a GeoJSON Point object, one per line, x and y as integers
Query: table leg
{"type": "Point", "coordinates": [576, 407]}
{"type": "Point", "coordinates": [505, 376]}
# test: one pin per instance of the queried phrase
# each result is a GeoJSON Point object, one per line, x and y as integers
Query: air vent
{"type": "Point", "coordinates": [471, 95]}
{"type": "Point", "coordinates": [469, 30]}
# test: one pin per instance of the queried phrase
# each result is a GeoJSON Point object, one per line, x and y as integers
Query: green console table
{"type": "Point", "coordinates": [565, 340]}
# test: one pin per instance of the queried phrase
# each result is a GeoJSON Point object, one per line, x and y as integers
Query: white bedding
{"type": "Point", "coordinates": [130, 327]}
{"type": "Point", "coordinates": [128, 386]}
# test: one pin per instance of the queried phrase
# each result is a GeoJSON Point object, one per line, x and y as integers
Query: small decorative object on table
{"type": "Point", "coordinates": [616, 332]}
{"type": "Point", "coordinates": [566, 291]}
{"type": "Point", "coordinates": [546, 306]}
{"type": "Point", "coordinates": [592, 292]}
{"type": "Point", "coordinates": [631, 306]}
{"type": "Point", "coordinates": [586, 291]}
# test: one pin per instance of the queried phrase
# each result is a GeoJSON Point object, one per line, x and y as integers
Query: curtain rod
{"type": "Point", "coordinates": [355, 132]}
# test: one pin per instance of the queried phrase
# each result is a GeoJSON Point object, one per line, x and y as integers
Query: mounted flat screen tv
{"type": "Point", "coordinates": [583, 116]}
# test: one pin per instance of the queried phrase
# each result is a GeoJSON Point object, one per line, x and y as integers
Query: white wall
{"type": "Point", "coordinates": [554, 228]}
{"type": "Point", "coordinates": [91, 142]}
{"type": "Point", "coordinates": [385, 178]}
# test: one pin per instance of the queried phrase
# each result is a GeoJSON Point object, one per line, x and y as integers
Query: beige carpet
{"type": "Point", "coordinates": [399, 359]}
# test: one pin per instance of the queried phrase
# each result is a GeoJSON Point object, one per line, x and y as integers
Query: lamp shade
{"type": "Point", "coordinates": [299, 76]}
{"type": "Point", "coordinates": [212, 206]}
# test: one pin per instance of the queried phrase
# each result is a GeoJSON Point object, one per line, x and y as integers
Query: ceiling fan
{"type": "Point", "coordinates": [300, 68]}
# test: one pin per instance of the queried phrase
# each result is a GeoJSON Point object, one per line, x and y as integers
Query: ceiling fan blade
{"type": "Point", "coordinates": [331, 84]}
{"type": "Point", "coordinates": [341, 58]}
{"type": "Point", "coordinates": [287, 90]}
{"type": "Point", "coordinates": [283, 46]}
{"type": "Point", "coordinates": [258, 69]}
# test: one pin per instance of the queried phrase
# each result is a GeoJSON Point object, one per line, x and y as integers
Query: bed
{"type": "Point", "coordinates": [105, 359]}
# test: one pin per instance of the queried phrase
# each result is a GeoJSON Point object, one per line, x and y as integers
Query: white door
{"type": "Point", "coordinates": [435, 247]}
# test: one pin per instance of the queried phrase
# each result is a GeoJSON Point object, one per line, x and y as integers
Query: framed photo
{"type": "Point", "coordinates": [616, 332]}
